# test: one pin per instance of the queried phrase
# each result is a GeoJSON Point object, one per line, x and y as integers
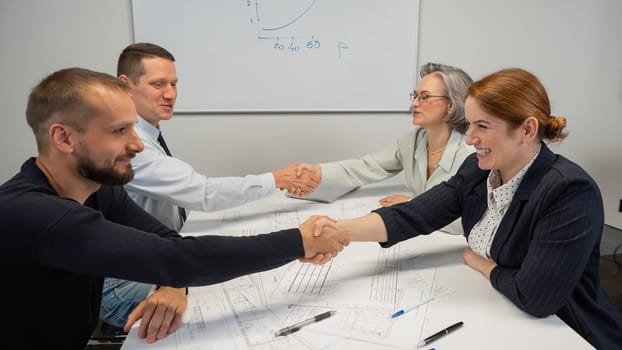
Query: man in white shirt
{"type": "Point", "coordinates": [167, 187]}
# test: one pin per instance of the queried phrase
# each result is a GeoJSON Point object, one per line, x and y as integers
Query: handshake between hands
{"type": "Point", "coordinates": [321, 239]}
{"type": "Point", "coordinates": [298, 179]}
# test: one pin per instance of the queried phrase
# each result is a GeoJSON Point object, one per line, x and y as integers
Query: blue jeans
{"type": "Point", "coordinates": [119, 298]}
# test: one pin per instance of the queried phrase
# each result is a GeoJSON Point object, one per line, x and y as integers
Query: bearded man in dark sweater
{"type": "Point", "coordinates": [66, 221]}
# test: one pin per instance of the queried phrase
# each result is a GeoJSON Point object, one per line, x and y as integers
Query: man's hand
{"type": "Point", "coordinates": [314, 168]}
{"type": "Point", "coordinates": [297, 180]}
{"type": "Point", "coordinates": [160, 313]}
{"type": "Point", "coordinates": [478, 262]}
{"type": "Point", "coordinates": [393, 199]}
{"type": "Point", "coordinates": [319, 249]}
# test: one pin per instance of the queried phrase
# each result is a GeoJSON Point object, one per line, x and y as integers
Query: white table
{"type": "Point", "coordinates": [365, 284]}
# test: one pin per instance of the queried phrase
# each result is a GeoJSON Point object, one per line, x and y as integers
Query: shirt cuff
{"type": "Point", "coordinates": [267, 181]}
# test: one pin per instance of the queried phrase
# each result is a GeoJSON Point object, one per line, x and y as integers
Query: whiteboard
{"type": "Point", "coordinates": [286, 55]}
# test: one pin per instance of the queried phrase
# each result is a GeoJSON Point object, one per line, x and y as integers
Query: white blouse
{"type": "Point", "coordinates": [499, 199]}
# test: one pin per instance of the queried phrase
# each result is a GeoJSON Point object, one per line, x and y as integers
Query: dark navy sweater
{"type": "Point", "coordinates": [54, 253]}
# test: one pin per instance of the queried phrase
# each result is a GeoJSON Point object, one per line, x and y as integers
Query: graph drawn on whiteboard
{"type": "Point", "coordinates": [276, 20]}
{"type": "Point", "coordinates": [249, 56]}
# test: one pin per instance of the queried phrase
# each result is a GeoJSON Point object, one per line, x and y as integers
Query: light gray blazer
{"type": "Point", "coordinates": [409, 154]}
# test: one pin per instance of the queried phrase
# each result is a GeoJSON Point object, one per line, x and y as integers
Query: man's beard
{"type": "Point", "coordinates": [104, 176]}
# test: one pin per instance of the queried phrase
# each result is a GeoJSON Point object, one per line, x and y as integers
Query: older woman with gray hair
{"type": "Point", "coordinates": [429, 154]}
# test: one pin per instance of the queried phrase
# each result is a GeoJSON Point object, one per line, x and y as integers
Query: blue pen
{"type": "Point", "coordinates": [399, 313]}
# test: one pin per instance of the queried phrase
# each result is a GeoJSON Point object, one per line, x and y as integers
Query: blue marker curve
{"type": "Point", "coordinates": [294, 20]}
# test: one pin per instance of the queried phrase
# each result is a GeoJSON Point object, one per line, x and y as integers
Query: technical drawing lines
{"type": "Point", "coordinates": [365, 324]}
{"type": "Point", "coordinates": [310, 279]}
{"type": "Point", "coordinates": [196, 324]}
{"type": "Point", "coordinates": [384, 279]}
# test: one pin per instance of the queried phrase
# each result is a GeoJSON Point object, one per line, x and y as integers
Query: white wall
{"type": "Point", "coordinates": [572, 45]}
{"type": "Point", "coordinates": [39, 37]}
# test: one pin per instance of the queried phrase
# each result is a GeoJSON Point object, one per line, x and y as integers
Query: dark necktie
{"type": "Point", "coordinates": [182, 211]}
{"type": "Point", "coordinates": [163, 144]}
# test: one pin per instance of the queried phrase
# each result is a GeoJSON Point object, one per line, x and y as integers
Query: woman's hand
{"type": "Point", "coordinates": [393, 199]}
{"type": "Point", "coordinates": [478, 262]}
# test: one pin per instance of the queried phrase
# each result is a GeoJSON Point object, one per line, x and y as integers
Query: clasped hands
{"type": "Point", "coordinates": [297, 179]}
{"type": "Point", "coordinates": [321, 239]}
{"type": "Point", "coordinates": [314, 171]}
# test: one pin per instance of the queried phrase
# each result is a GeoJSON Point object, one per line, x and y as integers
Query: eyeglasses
{"type": "Point", "coordinates": [423, 97]}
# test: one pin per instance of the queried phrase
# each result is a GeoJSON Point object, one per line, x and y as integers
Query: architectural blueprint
{"type": "Point", "coordinates": [365, 284]}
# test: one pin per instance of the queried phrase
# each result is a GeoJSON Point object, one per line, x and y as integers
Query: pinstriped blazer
{"type": "Point", "coordinates": [546, 246]}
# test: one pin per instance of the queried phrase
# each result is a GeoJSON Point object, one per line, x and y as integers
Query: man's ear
{"type": "Point", "coordinates": [62, 137]}
{"type": "Point", "coordinates": [124, 78]}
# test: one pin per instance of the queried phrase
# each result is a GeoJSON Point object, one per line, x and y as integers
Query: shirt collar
{"type": "Point", "coordinates": [450, 152]}
{"type": "Point", "coordinates": [495, 187]}
{"type": "Point", "coordinates": [151, 131]}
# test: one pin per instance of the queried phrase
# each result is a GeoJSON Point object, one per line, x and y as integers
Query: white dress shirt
{"type": "Point", "coordinates": [161, 183]}
{"type": "Point", "coordinates": [408, 154]}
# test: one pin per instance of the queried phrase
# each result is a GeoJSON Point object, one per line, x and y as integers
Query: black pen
{"type": "Point", "coordinates": [439, 334]}
{"type": "Point", "coordinates": [296, 326]}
